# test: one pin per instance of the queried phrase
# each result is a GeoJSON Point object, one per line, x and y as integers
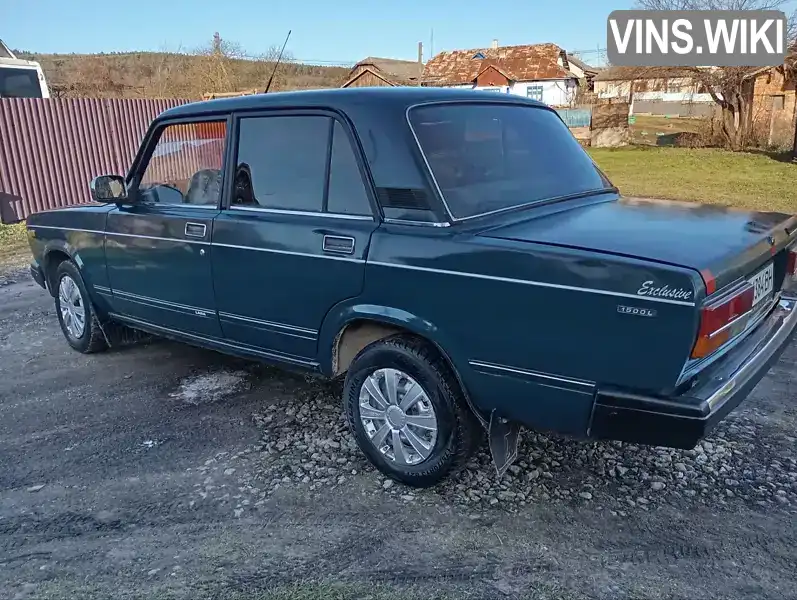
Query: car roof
{"type": "Point", "coordinates": [343, 97]}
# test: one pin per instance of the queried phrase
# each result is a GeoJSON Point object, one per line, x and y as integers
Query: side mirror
{"type": "Point", "coordinates": [108, 188]}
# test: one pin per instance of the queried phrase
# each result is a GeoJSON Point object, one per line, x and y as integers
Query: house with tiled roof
{"type": "Point", "coordinates": [542, 72]}
{"type": "Point", "coordinates": [384, 72]}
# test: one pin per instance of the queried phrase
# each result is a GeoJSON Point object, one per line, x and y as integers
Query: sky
{"type": "Point", "coordinates": [342, 31]}
{"type": "Point", "coordinates": [323, 31]}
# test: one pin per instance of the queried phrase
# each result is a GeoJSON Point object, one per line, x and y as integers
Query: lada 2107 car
{"type": "Point", "coordinates": [454, 254]}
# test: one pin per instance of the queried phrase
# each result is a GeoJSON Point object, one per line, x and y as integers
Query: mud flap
{"type": "Point", "coordinates": [503, 436]}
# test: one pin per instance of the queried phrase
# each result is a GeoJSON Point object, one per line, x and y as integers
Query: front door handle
{"type": "Point", "coordinates": [340, 244]}
{"type": "Point", "coordinates": [196, 230]}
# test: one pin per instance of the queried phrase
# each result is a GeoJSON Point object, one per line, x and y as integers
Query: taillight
{"type": "Point", "coordinates": [722, 320]}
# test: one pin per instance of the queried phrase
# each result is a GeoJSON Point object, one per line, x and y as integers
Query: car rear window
{"type": "Point", "coordinates": [488, 157]}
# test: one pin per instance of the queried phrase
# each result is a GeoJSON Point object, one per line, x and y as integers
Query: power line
{"type": "Point", "coordinates": [333, 63]}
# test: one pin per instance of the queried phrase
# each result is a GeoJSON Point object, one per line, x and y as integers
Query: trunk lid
{"type": "Point", "coordinates": [721, 243]}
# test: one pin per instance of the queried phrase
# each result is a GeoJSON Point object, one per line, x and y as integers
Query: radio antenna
{"type": "Point", "coordinates": [276, 64]}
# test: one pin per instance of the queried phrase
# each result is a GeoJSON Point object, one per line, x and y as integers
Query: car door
{"type": "Point", "coordinates": [158, 248]}
{"type": "Point", "coordinates": [293, 241]}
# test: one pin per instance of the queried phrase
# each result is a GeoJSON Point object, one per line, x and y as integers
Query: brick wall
{"type": "Point", "coordinates": [774, 109]}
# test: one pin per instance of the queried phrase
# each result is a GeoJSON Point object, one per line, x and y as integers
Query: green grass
{"type": "Point", "coordinates": [644, 130]}
{"type": "Point", "coordinates": [744, 180]}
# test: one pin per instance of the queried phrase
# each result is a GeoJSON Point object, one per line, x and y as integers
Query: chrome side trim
{"type": "Point", "coordinates": [119, 234]}
{"type": "Point", "coordinates": [155, 302]}
{"type": "Point", "coordinates": [289, 252]}
{"type": "Point", "coordinates": [533, 374]}
{"type": "Point", "coordinates": [418, 223]}
{"type": "Point", "coordinates": [533, 283]}
{"type": "Point", "coordinates": [301, 213]}
{"type": "Point", "coordinates": [66, 229]}
{"type": "Point", "coordinates": [283, 358]}
{"type": "Point", "coordinates": [214, 206]}
{"type": "Point", "coordinates": [153, 237]}
{"type": "Point", "coordinates": [300, 332]}
{"type": "Point", "coordinates": [102, 289]}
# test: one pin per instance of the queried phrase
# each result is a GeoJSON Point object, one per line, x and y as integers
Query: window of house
{"type": "Point", "coordinates": [282, 162]}
{"type": "Point", "coordinates": [186, 166]}
{"type": "Point", "coordinates": [673, 87]}
{"type": "Point", "coordinates": [778, 102]}
{"type": "Point", "coordinates": [347, 193]}
{"type": "Point", "coordinates": [534, 92]}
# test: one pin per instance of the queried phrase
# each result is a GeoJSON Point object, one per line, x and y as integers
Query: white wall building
{"type": "Point", "coordinates": [542, 72]}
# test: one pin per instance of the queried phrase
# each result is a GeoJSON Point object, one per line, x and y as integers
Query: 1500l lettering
{"type": "Point", "coordinates": [455, 254]}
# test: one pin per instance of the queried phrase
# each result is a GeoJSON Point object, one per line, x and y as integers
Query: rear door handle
{"type": "Point", "coordinates": [339, 244]}
{"type": "Point", "coordinates": [196, 230]}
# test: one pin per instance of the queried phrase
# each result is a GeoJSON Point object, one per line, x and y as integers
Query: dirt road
{"type": "Point", "coordinates": [163, 471]}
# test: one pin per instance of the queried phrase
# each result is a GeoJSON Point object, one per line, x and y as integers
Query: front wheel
{"type": "Point", "coordinates": [407, 413]}
{"type": "Point", "coordinates": [76, 314]}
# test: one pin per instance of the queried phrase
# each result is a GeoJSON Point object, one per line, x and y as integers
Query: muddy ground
{"type": "Point", "coordinates": [165, 471]}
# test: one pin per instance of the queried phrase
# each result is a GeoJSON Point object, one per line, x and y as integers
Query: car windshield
{"type": "Point", "coordinates": [487, 157]}
{"type": "Point", "coordinates": [19, 83]}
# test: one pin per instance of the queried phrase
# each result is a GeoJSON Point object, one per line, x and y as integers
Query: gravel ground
{"type": "Point", "coordinates": [164, 471]}
{"type": "Point", "coordinates": [741, 464]}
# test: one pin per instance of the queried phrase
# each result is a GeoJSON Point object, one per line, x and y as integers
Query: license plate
{"type": "Point", "coordinates": [762, 283]}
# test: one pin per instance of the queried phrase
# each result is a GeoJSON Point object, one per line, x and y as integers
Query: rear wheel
{"type": "Point", "coordinates": [407, 413]}
{"type": "Point", "coordinates": [76, 314]}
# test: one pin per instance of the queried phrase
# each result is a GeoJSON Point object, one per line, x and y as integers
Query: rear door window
{"type": "Point", "coordinates": [282, 162]}
{"type": "Point", "coordinates": [302, 163]}
{"type": "Point", "coordinates": [347, 193]}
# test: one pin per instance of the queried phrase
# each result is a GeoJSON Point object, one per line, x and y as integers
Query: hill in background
{"type": "Point", "coordinates": [176, 75]}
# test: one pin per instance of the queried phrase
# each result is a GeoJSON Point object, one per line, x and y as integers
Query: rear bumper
{"type": "Point", "coordinates": [37, 274]}
{"type": "Point", "coordinates": [681, 421]}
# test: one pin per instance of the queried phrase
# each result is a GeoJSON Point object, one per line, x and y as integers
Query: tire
{"type": "Point", "coordinates": [420, 364]}
{"type": "Point", "coordinates": [70, 289]}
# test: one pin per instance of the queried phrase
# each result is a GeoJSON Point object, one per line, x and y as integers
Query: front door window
{"type": "Point", "coordinates": [186, 165]}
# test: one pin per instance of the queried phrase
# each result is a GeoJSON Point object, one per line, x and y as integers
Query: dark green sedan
{"type": "Point", "coordinates": [455, 255]}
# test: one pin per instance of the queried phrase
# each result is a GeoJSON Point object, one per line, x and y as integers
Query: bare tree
{"type": "Point", "coordinates": [730, 87]}
{"type": "Point", "coordinates": [223, 66]}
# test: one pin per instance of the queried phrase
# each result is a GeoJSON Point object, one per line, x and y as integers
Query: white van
{"type": "Point", "coordinates": [20, 78]}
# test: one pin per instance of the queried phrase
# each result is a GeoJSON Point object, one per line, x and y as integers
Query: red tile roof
{"type": "Point", "coordinates": [519, 63]}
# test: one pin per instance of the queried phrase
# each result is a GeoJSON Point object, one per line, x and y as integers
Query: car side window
{"type": "Point", "coordinates": [282, 162]}
{"type": "Point", "coordinates": [187, 165]}
{"type": "Point", "coordinates": [347, 193]}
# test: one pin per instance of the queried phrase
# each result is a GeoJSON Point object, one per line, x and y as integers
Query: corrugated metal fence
{"type": "Point", "coordinates": [50, 149]}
